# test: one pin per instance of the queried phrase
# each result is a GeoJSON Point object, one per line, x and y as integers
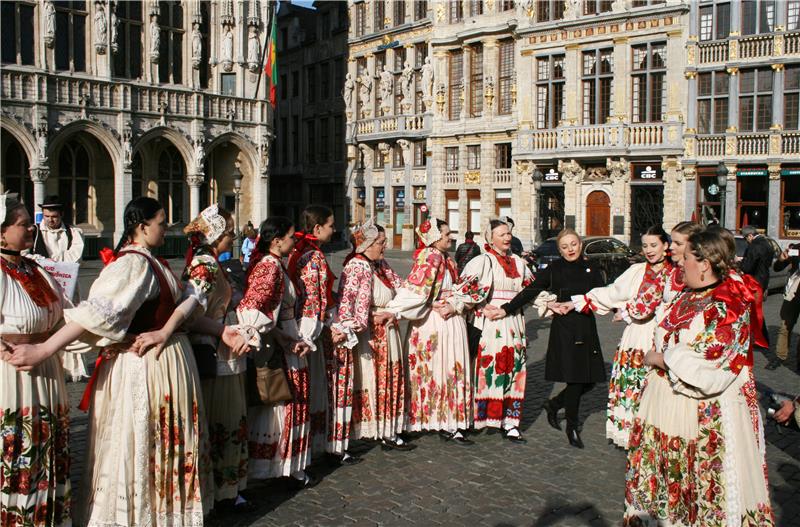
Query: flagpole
{"type": "Point", "coordinates": [264, 51]}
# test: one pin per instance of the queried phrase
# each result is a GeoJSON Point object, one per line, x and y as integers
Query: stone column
{"type": "Point", "coordinates": [777, 97]}
{"type": "Point", "coordinates": [733, 99]}
{"type": "Point", "coordinates": [39, 175]}
{"type": "Point", "coordinates": [466, 92]}
{"type": "Point", "coordinates": [622, 83]}
{"type": "Point", "coordinates": [736, 17]}
{"type": "Point", "coordinates": [774, 217]}
{"type": "Point", "coordinates": [572, 76]}
{"type": "Point", "coordinates": [194, 181]}
{"type": "Point", "coordinates": [691, 112]}
{"type": "Point", "coordinates": [690, 189]}
{"type": "Point", "coordinates": [491, 57]}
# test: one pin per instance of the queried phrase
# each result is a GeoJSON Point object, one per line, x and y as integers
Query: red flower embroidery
{"type": "Point", "coordinates": [425, 227]}
{"type": "Point", "coordinates": [724, 334]}
{"type": "Point", "coordinates": [711, 314]}
{"type": "Point", "coordinates": [494, 410]}
{"type": "Point", "coordinates": [504, 363]}
{"type": "Point", "coordinates": [486, 360]}
{"type": "Point", "coordinates": [714, 351]}
{"type": "Point", "coordinates": [674, 493]}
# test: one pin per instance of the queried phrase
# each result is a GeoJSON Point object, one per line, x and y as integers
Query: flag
{"type": "Point", "coordinates": [271, 67]}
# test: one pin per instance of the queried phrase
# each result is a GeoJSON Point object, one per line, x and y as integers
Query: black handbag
{"type": "Point", "coordinates": [205, 355]}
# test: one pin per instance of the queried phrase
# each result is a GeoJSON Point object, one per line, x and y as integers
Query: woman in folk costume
{"type": "Point", "coordinates": [279, 433]}
{"type": "Point", "coordinates": [313, 280]}
{"type": "Point", "coordinates": [679, 237]}
{"type": "Point", "coordinates": [34, 405]}
{"type": "Point", "coordinates": [438, 387]}
{"type": "Point", "coordinates": [367, 380]}
{"type": "Point", "coordinates": [697, 451]}
{"type": "Point", "coordinates": [222, 373]}
{"type": "Point", "coordinates": [494, 278]}
{"type": "Point", "coordinates": [148, 458]}
{"type": "Point", "coordinates": [635, 294]}
{"type": "Point", "coordinates": [573, 351]}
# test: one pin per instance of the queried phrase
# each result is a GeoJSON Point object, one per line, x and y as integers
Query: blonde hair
{"type": "Point", "coordinates": [566, 232]}
{"type": "Point", "coordinates": [687, 228]}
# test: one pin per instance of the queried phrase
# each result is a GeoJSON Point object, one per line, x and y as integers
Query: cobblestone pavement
{"type": "Point", "coordinates": [542, 483]}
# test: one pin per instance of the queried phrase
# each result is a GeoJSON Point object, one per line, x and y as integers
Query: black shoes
{"type": "Point", "coordinates": [574, 437]}
{"type": "Point", "coordinates": [456, 437]}
{"type": "Point", "coordinates": [773, 364]}
{"type": "Point", "coordinates": [552, 414]}
{"type": "Point", "coordinates": [514, 438]}
{"type": "Point", "coordinates": [394, 445]}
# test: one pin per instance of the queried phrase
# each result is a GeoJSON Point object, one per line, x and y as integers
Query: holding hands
{"type": "Point", "coordinates": [444, 309]}
{"type": "Point", "coordinates": [152, 339]}
{"type": "Point", "coordinates": [493, 312]}
{"type": "Point", "coordinates": [301, 348]}
{"type": "Point", "coordinates": [24, 357]}
{"type": "Point", "coordinates": [235, 341]}
{"type": "Point", "coordinates": [337, 336]}
{"type": "Point", "coordinates": [560, 308]}
{"type": "Point", "coordinates": [385, 318]}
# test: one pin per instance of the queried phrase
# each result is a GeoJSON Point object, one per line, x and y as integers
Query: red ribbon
{"type": "Point", "coordinates": [589, 307]}
{"type": "Point", "coordinates": [87, 393]}
{"type": "Point", "coordinates": [309, 241]}
{"type": "Point", "coordinates": [745, 294]}
{"type": "Point", "coordinates": [107, 255]}
{"type": "Point", "coordinates": [194, 242]}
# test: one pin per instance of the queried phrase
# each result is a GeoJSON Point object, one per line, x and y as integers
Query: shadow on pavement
{"type": "Point", "coordinates": [583, 513]}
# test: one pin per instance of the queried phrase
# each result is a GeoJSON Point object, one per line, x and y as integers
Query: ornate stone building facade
{"type": "Point", "coordinates": [106, 100]}
{"type": "Point", "coordinates": [743, 75]}
{"type": "Point", "coordinates": [388, 95]}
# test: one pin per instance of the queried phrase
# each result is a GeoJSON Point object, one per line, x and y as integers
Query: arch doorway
{"type": "Point", "coordinates": [15, 170]}
{"type": "Point", "coordinates": [598, 214]}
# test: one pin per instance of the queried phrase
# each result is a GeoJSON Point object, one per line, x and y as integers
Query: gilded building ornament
{"type": "Point", "coordinates": [472, 177]}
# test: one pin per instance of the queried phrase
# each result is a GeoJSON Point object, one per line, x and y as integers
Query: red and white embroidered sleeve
{"type": "Point", "coordinates": [356, 296]}
{"type": "Point", "coordinates": [312, 279]}
{"type": "Point", "coordinates": [264, 288]}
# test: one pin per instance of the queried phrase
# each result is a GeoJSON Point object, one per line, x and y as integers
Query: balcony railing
{"type": "Point", "coordinates": [791, 43]}
{"type": "Point", "coordinates": [393, 125]}
{"type": "Point", "coordinates": [711, 146]}
{"type": "Point", "coordinates": [502, 175]}
{"type": "Point", "coordinates": [756, 46]}
{"type": "Point", "coordinates": [791, 143]}
{"type": "Point", "coordinates": [752, 145]}
{"type": "Point", "coordinates": [712, 52]}
{"type": "Point", "coordinates": [452, 177]}
{"type": "Point", "coordinates": [610, 136]}
{"type": "Point", "coordinates": [96, 94]}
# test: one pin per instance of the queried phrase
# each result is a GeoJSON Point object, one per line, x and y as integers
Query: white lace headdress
{"type": "Point", "coordinates": [364, 235]}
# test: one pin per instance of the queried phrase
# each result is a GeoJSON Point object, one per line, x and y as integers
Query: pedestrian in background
{"type": "Point", "coordinates": [757, 261]}
{"type": "Point", "coordinates": [516, 243]}
{"type": "Point", "coordinates": [790, 308]}
{"type": "Point", "coordinates": [466, 251]}
{"type": "Point", "coordinates": [248, 244]}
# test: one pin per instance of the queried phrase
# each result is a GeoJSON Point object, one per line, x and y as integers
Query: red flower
{"type": "Point", "coordinates": [504, 361]}
{"type": "Point", "coordinates": [486, 360]}
{"type": "Point", "coordinates": [494, 410]}
{"type": "Point", "coordinates": [425, 227]}
{"type": "Point", "coordinates": [711, 314]}
{"type": "Point", "coordinates": [674, 493]}
{"type": "Point", "coordinates": [675, 443]}
{"type": "Point", "coordinates": [714, 351]}
{"type": "Point", "coordinates": [724, 334]}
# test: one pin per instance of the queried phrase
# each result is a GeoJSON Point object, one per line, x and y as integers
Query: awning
{"type": "Point", "coordinates": [752, 172]}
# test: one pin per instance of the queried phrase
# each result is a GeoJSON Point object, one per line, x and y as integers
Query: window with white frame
{"type": "Point", "coordinates": [451, 158]}
{"type": "Point", "coordinates": [456, 11]}
{"type": "Point", "coordinates": [419, 154]}
{"type": "Point", "coordinates": [473, 157]}
{"type": "Point", "coordinates": [755, 99]}
{"type": "Point", "coordinates": [649, 86]}
{"type": "Point", "coordinates": [712, 102]}
{"type": "Point", "coordinates": [549, 91]}
{"type": "Point", "coordinates": [476, 80]}
{"type": "Point", "coordinates": [502, 155]}
{"type": "Point", "coordinates": [399, 14]}
{"type": "Point", "coordinates": [475, 7]}
{"type": "Point", "coordinates": [456, 84]}
{"type": "Point", "coordinates": [597, 83]}
{"type": "Point", "coordinates": [420, 9]}
{"type": "Point", "coordinates": [379, 12]}
{"type": "Point", "coordinates": [758, 16]}
{"type": "Point", "coordinates": [474, 208]}
{"type": "Point", "coordinates": [715, 20]}
{"type": "Point", "coordinates": [792, 15]}
{"type": "Point", "coordinates": [452, 209]}
{"type": "Point", "coordinates": [547, 10]}
{"type": "Point", "coordinates": [361, 19]}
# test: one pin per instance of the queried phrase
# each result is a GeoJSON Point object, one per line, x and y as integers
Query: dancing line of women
{"type": "Point", "coordinates": [183, 411]}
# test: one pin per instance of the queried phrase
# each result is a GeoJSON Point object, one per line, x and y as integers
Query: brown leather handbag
{"type": "Point", "coordinates": [266, 379]}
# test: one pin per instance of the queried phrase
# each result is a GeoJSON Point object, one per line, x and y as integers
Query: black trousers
{"type": "Point", "coordinates": [570, 400]}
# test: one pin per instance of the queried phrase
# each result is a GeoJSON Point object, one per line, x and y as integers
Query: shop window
{"type": "Point", "coordinates": [790, 204]}
{"type": "Point", "coordinates": [752, 193]}
{"type": "Point", "coordinates": [709, 209]}
{"type": "Point", "coordinates": [379, 204]}
{"type": "Point", "coordinates": [502, 202]}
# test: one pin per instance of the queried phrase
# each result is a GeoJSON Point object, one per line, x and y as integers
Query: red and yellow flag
{"type": "Point", "coordinates": [271, 66]}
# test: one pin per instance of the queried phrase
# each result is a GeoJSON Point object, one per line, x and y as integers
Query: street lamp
{"type": "Point", "coordinates": [536, 178]}
{"type": "Point", "coordinates": [722, 183]}
{"type": "Point", "coordinates": [237, 192]}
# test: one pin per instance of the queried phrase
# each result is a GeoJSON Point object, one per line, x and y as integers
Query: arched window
{"type": "Point", "coordinates": [171, 184]}
{"type": "Point", "coordinates": [15, 173]}
{"type": "Point", "coordinates": [73, 182]}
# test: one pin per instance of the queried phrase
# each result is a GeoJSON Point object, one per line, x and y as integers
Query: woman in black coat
{"type": "Point", "coordinates": [573, 351]}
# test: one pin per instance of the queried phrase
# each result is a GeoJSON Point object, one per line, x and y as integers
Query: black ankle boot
{"type": "Point", "coordinates": [574, 437]}
{"type": "Point", "coordinates": [552, 413]}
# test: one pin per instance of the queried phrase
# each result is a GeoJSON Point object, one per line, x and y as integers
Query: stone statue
{"type": "Point", "coordinates": [365, 90]}
{"type": "Point", "coordinates": [100, 28]}
{"type": "Point", "coordinates": [155, 38]}
{"type": "Point", "coordinates": [199, 153]}
{"type": "Point", "coordinates": [227, 50]}
{"type": "Point", "coordinates": [407, 82]}
{"type": "Point", "coordinates": [253, 51]}
{"type": "Point", "coordinates": [41, 141]}
{"type": "Point", "coordinates": [387, 84]}
{"type": "Point", "coordinates": [49, 23]}
{"type": "Point", "coordinates": [527, 7]}
{"type": "Point", "coordinates": [114, 30]}
{"type": "Point", "coordinates": [405, 145]}
{"type": "Point", "coordinates": [197, 46]}
{"type": "Point", "coordinates": [427, 78]}
{"type": "Point", "coordinates": [347, 92]}
{"type": "Point", "coordinates": [572, 9]}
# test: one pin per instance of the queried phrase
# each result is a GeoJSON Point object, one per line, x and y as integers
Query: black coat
{"type": "Point", "coordinates": [757, 260]}
{"type": "Point", "coordinates": [573, 351]}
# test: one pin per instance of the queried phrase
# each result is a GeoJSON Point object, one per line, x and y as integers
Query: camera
{"type": "Point", "coordinates": [793, 250]}
{"type": "Point", "coordinates": [775, 402]}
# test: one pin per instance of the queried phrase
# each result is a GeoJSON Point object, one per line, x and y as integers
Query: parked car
{"type": "Point", "coordinates": [611, 255]}
{"type": "Point", "coordinates": [777, 281]}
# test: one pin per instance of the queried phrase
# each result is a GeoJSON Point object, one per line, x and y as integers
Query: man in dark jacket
{"type": "Point", "coordinates": [757, 260]}
{"type": "Point", "coordinates": [467, 251]}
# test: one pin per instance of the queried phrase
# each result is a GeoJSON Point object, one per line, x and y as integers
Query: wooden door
{"type": "Point", "coordinates": [598, 214]}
